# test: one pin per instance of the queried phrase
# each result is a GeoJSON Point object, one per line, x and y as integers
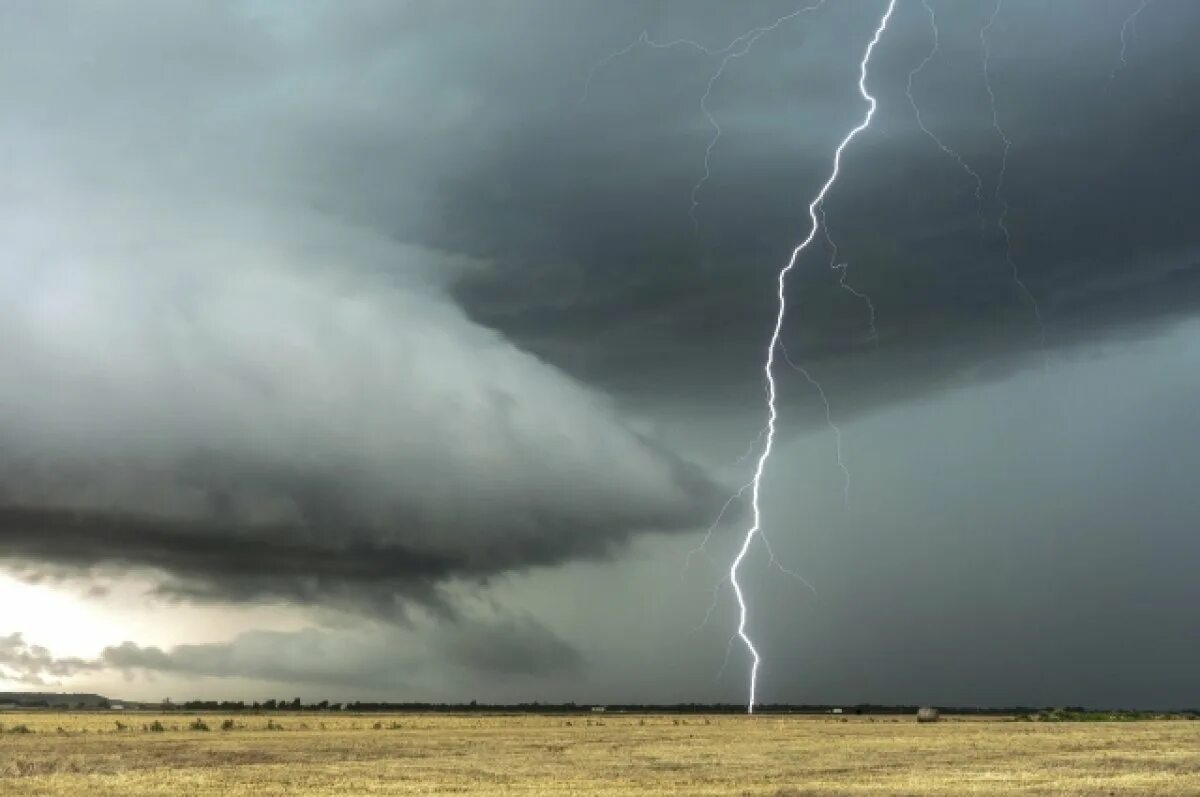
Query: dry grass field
{"type": "Point", "coordinates": [613, 754]}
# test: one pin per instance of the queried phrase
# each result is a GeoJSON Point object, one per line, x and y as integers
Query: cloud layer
{"type": "Point", "coordinates": [209, 374]}
{"type": "Point", "coordinates": [356, 656]}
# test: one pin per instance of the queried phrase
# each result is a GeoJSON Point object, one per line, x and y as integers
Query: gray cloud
{"type": "Point", "coordinates": [355, 655]}
{"type": "Point", "coordinates": [1100, 221]}
{"type": "Point", "coordinates": [34, 665]}
{"type": "Point", "coordinates": [290, 424]}
{"type": "Point", "coordinates": [514, 646]}
{"type": "Point", "coordinates": [341, 304]}
{"type": "Point", "coordinates": [212, 379]}
{"type": "Point", "coordinates": [363, 657]}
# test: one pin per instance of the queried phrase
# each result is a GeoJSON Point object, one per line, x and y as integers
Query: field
{"type": "Point", "coordinates": [603, 754]}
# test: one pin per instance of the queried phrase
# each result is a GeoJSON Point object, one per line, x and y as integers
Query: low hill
{"type": "Point", "coordinates": [55, 700]}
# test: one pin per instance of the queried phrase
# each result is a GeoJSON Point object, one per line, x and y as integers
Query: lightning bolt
{"type": "Point", "coordinates": [933, 50]}
{"type": "Point", "coordinates": [702, 548]}
{"type": "Point", "coordinates": [837, 432]}
{"type": "Point", "coordinates": [864, 298]}
{"type": "Point", "coordinates": [643, 38]}
{"type": "Point", "coordinates": [1130, 22]}
{"type": "Point", "coordinates": [1002, 219]}
{"type": "Point", "coordinates": [747, 39]}
{"type": "Point", "coordinates": [737, 48]}
{"type": "Point", "coordinates": [769, 367]}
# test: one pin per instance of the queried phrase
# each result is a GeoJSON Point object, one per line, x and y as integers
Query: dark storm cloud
{"type": "Point", "coordinates": [592, 212]}
{"type": "Point", "coordinates": [321, 559]}
{"type": "Point", "coordinates": [218, 365]}
{"type": "Point", "coordinates": [288, 291]}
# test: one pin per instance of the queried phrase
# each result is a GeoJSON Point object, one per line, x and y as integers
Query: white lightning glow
{"type": "Point", "coordinates": [1130, 23]}
{"type": "Point", "coordinates": [933, 50]}
{"type": "Point", "coordinates": [769, 366]}
{"type": "Point", "coordinates": [1002, 219]}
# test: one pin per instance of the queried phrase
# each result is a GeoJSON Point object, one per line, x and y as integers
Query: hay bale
{"type": "Point", "coordinates": [927, 714]}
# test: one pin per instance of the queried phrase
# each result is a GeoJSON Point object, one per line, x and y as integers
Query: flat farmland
{"type": "Point", "coordinates": [49, 753]}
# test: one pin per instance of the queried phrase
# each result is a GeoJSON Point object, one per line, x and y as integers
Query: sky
{"type": "Point", "coordinates": [414, 351]}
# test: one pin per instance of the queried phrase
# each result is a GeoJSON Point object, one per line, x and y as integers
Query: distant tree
{"type": "Point", "coordinates": [296, 704]}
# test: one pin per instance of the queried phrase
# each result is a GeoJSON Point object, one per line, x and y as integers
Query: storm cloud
{"type": "Point", "coordinates": [613, 283]}
{"type": "Point", "coordinates": [159, 404]}
{"type": "Point", "coordinates": [372, 306]}
{"type": "Point", "coordinates": [256, 398]}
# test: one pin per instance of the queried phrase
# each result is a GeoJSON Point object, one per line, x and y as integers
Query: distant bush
{"type": "Point", "coordinates": [19, 729]}
{"type": "Point", "coordinates": [272, 725]}
{"type": "Point", "coordinates": [156, 727]}
{"type": "Point", "coordinates": [227, 725]}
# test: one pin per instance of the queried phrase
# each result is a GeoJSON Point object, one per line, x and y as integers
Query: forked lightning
{"type": "Point", "coordinates": [773, 345]}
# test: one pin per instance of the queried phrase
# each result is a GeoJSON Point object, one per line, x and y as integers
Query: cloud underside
{"type": "Point", "coordinates": [212, 563]}
{"type": "Point", "coordinates": [321, 307]}
{"type": "Point", "coordinates": [291, 428]}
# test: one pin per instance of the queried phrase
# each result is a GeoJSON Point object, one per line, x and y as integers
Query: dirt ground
{"type": "Point", "coordinates": [606, 754]}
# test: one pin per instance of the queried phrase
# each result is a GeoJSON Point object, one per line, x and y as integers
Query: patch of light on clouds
{"type": "Point", "coordinates": [70, 619]}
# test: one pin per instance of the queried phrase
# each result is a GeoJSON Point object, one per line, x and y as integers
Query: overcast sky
{"type": "Point", "coordinates": [404, 350]}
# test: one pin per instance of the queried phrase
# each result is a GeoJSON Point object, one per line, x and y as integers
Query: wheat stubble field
{"type": "Point", "coordinates": [322, 754]}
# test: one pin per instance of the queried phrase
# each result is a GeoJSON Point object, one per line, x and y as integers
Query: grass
{"type": "Point", "coordinates": [335, 753]}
